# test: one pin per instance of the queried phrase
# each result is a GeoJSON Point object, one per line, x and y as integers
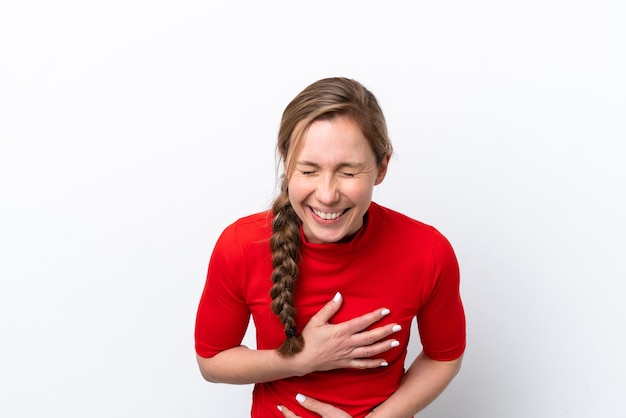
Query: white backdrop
{"type": "Point", "coordinates": [132, 132]}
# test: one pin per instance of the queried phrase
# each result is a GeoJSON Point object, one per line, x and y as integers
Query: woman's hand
{"type": "Point", "coordinates": [323, 409]}
{"type": "Point", "coordinates": [344, 345]}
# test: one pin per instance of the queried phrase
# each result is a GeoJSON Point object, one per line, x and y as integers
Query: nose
{"type": "Point", "coordinates": [327, 191]}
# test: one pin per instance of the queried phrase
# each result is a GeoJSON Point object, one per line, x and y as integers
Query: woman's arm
{"type": "Point", "coordinates": [240, 365]}
{"type": "Point", "coordinates": [422, 383]}
{"type": "Point", "coordinates": [327, 347]}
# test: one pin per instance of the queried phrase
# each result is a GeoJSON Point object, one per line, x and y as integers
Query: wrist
{"type": "Point", "coordinates": [299, 365]}
{"type": "Point", "coordinates": [295, 365]}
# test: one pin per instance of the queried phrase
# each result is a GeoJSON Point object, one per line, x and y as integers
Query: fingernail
{"type": "Point", "coordinates": [280, 408]}
{"type": "Point", "coordinates": [300, 398]}
{"type": "Point", "coordinates": [395, 343]}
{"type": "Point", "coordinates": [396, 328]}
{"type": "Point", "coordinates": [384, 364]}
{"type": "Point", "coordinates": [337, 297]}
{"type": "Point", "coordinates": [385, 312]}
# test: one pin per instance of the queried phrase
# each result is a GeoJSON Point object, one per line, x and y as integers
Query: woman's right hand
{"type": "Point", "coordinates": [345, 345]}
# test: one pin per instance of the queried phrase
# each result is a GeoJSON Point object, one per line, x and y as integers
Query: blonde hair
{"type": "Point", "coordinates": [325, 99]}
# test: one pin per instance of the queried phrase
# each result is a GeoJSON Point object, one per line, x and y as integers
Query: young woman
{"type": "Point", "coordinates": [332, 280]}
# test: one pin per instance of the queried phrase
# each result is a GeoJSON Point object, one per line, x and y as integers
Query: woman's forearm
{"type": "Point", "coordinates": [329, 346]}
{"type": "Point", "coordinates": [240, 365]}
{"type": "Point", "coordinates": [422, 383]}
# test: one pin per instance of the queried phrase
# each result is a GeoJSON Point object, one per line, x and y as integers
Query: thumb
{"type": "Point", "coordinates": [329, 310]}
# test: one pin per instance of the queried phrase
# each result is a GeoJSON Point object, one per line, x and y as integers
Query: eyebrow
{"type": "Point", "coordinates": [349, 164]}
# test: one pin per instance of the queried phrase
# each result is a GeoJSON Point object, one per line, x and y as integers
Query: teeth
{"type": "Point", "coordinates": [327, 216]}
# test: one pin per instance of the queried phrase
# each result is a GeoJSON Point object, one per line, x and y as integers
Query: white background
{"type": "Point", "coordinates": [132, 132]}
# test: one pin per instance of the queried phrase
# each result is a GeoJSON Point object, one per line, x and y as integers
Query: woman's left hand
{"type": "Point", "coordinates": [323, 409]}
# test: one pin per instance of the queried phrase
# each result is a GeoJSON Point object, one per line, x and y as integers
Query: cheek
{"type": "Point", "coordinates": [296, 189]}
{"type": "Point", "coordinates": [359, 191]}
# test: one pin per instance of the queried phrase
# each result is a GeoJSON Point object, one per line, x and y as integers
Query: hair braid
{"type": "Point", "coordinates": [285, 246]}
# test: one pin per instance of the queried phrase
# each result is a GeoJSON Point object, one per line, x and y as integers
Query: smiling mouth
{"type": "Point", "coordinates": [328, 216]}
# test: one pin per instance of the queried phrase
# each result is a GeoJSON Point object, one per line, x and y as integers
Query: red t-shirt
{"type": "Point", "coordinates": [393, 261]}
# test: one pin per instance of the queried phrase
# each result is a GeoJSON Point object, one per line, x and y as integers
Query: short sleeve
{"type": "Point", "coordinates": [223, 315]}
{"type": "Point", "coordinates": [441, 320]}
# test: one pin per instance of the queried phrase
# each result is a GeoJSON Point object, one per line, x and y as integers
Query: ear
{"type": "Point", "coordinates": [382, 170]}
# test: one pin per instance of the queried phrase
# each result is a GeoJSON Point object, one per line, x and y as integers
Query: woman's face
{"type": "Point", "coordinates": [333, 180]}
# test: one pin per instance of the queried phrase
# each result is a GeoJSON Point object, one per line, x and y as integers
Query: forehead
{"type": "Point", "coordinates": [338, 139]}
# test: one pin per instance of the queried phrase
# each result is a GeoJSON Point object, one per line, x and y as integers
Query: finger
{"type": "Point", "coordinates": [287, 413]}
{"type": "Point", "coordinates": [321, 408]}
{"type": "Point", "coordinates": [369, 351]}
{"type": "Point", "coordinates": [328, 311]}
{"type": "Point", "coordinates": [366, 363]}
{"type": "Point", "coordinates": [372, 336]}
{"type": "Point", "coordinates": [360, 323]}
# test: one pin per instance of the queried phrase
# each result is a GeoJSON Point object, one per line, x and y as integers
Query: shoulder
{"type": "Point", "coordinates": [405, 230]}
{"type": "Point", "coordinates": [242, 243]}
{"type": "Point", "coordinates": [400, 222]}
{"type": "Point", "coordinates": [249, 229]}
